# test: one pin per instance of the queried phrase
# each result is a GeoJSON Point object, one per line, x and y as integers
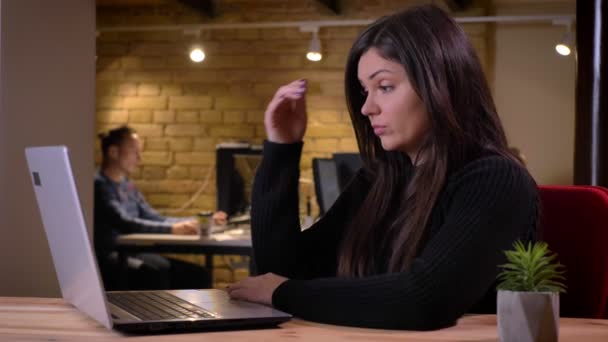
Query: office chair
{"type": "Point", "coordinates": [347, 165]}
{"type": "Point", "coordinates": [574, 222]}
{"type": "Point", "coordinates": [327, 188]}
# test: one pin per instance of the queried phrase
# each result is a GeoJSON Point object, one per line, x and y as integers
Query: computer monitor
{"type": "Point", "coordinates": [235, 169]}
{"type": "Point", "coordinates": [327, 188]}
{"type": "Point", "coordinates": [246, 166]}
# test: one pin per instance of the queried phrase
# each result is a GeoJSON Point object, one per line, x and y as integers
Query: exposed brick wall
{"type": "Point", "coordinates": [182, 109]}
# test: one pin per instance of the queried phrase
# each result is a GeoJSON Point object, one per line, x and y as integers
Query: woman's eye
{"type": "Point", "coordinates": [385, 89]}
{"type": "Point", "coordinates": [363, 91]}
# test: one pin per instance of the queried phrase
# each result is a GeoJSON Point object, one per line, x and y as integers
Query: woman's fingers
{"type": "Point", "coordinates": [235, 286]}
{"type": "Point", "coordinates": [285, 116]}
{"type": "Point", "coordinates": [292, 91]}
{"type": "Point", "coordinates": [237, 294]}
{"type": "Point", "coordinates": [257, 289]}
{"type": "Point", "coordinates": [236, 290]}
{"type": "Point", "coordinates": [300, 104]}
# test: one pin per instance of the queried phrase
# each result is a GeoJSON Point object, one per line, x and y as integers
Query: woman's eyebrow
{"type": "Point", "coordinates": [374, 74]}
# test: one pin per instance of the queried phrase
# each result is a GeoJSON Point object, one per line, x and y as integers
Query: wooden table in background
{"type": "Point", "coordinates": [51, 319]}
{"type": "Point", "coordinates": [233, 242]}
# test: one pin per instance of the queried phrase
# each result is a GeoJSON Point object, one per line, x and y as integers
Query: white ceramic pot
{"type": "Point", "coordinates": [528, 316]}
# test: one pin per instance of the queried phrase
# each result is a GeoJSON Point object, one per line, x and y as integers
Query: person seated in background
{"type": "Point", "coordinates": [121, 209]}
{"type": "Point", "coordinates": [416, 238]}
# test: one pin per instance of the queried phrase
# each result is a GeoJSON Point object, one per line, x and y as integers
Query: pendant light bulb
{"type": "Point", "coordinates": [197, 54]}
{"type": "Point", "coordinates": [314, 49]}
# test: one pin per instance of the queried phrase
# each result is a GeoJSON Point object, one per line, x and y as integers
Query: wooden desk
{"type": "Point", "coordinates": [235, 241]}
{"type": "Point", "coordinates": [228, 242]}
{"type": "Point", "coordinates": [38, 319]}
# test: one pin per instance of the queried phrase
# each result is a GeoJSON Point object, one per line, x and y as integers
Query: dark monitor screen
{"type": "Point", "coordinates": [235, 170]}
{"type": "Point", "coordinates": [327, 188]}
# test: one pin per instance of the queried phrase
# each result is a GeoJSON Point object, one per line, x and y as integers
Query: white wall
{"type": "Point", "coordinates": [534, 90]}
{"type": "Point", "coordinates": [47, 92]}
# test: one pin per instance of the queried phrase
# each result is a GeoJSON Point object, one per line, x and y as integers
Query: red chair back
{"type": "Point", "coordinates": [574, 222]}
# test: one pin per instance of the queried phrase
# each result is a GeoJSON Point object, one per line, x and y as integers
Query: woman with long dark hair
{"type": "Point", "coordinates": [415, 240]}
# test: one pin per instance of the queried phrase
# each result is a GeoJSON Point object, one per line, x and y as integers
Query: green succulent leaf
{"type": "Point", "coordinates": [531, 268]}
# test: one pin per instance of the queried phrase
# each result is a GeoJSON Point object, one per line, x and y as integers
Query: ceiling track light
{"type": "Point", "coordinates": [196, 52]}
{"type": "Point", "coordinates": [564, 47]}
{"type": "Point", "coordinates": [314, 54]}
{"type": "Point", "coordinates": [314, 48]}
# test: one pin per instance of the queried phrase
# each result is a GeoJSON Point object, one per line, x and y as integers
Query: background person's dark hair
{"type": "Point", "coordinates": [116, 137]}
{"type": "Point", "coordinates": [446, 74]}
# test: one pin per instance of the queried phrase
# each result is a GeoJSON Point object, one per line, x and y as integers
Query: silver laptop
{"type": "Point", "coordinates": [78, 273]}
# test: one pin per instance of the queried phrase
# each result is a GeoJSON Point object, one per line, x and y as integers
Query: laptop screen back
{"type": "Point", "coordinates": [66, 232]}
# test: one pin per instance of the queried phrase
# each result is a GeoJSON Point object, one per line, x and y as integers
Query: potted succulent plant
{"type": "Point", "coordinates": [528, 294]}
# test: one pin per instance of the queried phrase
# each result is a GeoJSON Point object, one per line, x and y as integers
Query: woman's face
{"type": "Point", "coordinates": [129, 154]}
{"type": "Point", "coordinates": [396, 113]}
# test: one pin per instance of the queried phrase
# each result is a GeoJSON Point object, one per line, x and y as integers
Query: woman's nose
{"type": "Point", "coordinates": [369, 106]}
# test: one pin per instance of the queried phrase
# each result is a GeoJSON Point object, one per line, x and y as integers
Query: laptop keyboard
{"type": "Point", "coordinates": [152, 305]}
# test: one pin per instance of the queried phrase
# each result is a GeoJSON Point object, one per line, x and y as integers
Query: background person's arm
{"type": "Point", "coordinates": [109, 210]}
{"type": "Point", "coordinates": [146, 211]}
{"type": "Point", "coordinates": [179, 225]}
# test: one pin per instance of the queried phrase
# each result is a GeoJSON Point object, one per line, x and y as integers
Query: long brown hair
{"type": "Point", "coordinates": [446, 74]}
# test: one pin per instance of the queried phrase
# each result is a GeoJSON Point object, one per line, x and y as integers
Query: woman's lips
{"type": "Point", "coordinates": [379, 130]}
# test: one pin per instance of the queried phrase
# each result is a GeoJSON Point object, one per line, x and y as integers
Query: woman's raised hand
{"type": "Point", "coordinates": [285, 117]}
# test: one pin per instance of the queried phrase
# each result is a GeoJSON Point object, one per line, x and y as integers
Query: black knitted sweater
{"type": "Point", "coordinates": [483, 208]}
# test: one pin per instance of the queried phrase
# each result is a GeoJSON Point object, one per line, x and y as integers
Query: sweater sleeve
{"type": "Point", "coordinates": [491, 203]}
{"type": "Point", "coordinates": [109, 211]}
{"type": "Point", "coordinates": [146, 212]}
{"type": "Point", "coordinates": [279, 244]}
